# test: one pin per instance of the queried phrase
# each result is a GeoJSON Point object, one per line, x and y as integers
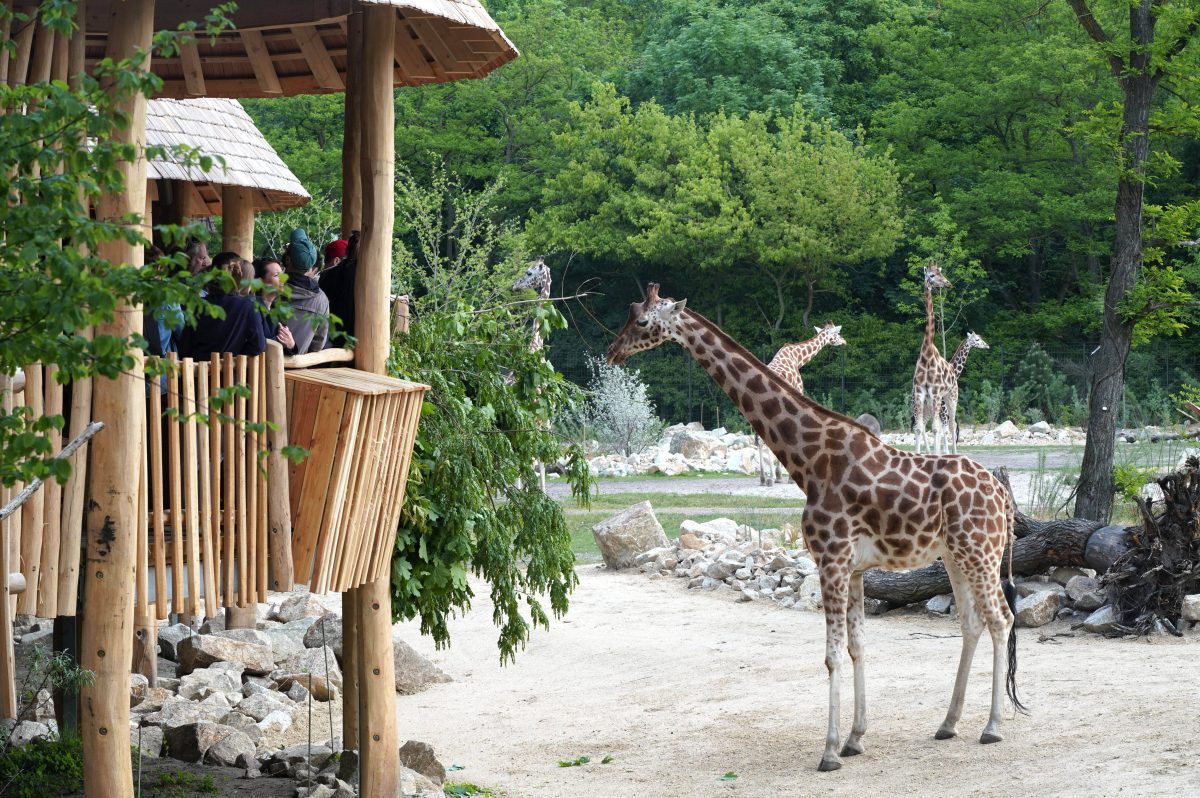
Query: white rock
{"type": "Point", "coordinates": [1007, 430]}
{"type": "Point", "coordinates": [1102, 620]}
{"type": "Point", "coordinates": [623, 536]}
{"type": "Point", "coordinates": [1191, 607]}
{"type": "Point", "coordinates": [1038, 609]}
{"type": "Point", "coordinates": [940, 604]}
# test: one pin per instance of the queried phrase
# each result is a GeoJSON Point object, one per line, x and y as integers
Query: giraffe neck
{"type": "Point", "coordinates": [930, 326]}
{"type": "Point", "coordinates": [778, 412]}
{"type": "Point", "coordinates": [535, 334]}
{"type": "Point", "coordinates": [960, 357]}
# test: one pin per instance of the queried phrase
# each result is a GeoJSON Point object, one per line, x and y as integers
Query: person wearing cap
{"type": "Point", "coordinates": [310, 324]}
{"type": "Point", "coordinates": [335, 253]}
{"type": "Point", "coordinates": [338, 285]}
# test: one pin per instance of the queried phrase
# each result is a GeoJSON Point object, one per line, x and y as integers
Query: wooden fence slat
{"type": "Point", "coordinates": [229, 489]}
{"type": "Point", "coordinates": [207, 514]}
{"type": "Point", "coordinates": [145, 644]}
{"type": "Point", "coordinates": [251, 437]}
{"type": "Point", "coordinates": [191, 478]}
{"type": "Point", "coordinates": [52, 534]}
{"type": "Point", "coordinates": [154, 423]}
{"type": "Point", "coordinates": [260, 473]}
{"type": "Point", "coordinates": [8, 670]}
{"type": "Point", "coordinates": [239, 459]}
{"type": "Point", "coordinates": [279, 513]}
{"type": "Point", "coordinates": [175, 481]}
{"type": "Point", "coordinates": [214, 454]}
{"type": "Point", "coordinates": [33, 513]}
{"type": "Point", "coordinates": [335, 504]}
{"type": "Point", "coordinates": [308, 514]}
{"type": "Point", "coordinates": [73, 493]}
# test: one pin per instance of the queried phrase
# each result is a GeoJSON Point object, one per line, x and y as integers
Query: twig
{"type": "Point", "coordinates": [32, 487]}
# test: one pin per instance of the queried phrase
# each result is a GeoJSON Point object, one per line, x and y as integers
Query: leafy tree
{"type": "Point", "coordinates": [734, 59]}
{"type": "Point", "coordinates": [61, 157]}
{"type": "Point", "coordinates": [473, 502]}
{"type": "Point", "coordinates": [1146, 47]}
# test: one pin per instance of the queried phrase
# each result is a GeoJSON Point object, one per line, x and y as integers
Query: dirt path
{"type": "Point", "coordinates": [682, 686]}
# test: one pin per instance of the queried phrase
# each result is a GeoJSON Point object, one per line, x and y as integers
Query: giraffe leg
{"type": "Point", "coordinates": [989, 596]}
{"type": "Point", "coordinates": [834, 593]}
{"type": "Point", "coordinates": [855, 618]}
{"type": "Point", "coordinates": [918, 424]}
{"type": "Point", "coordinates": [762, 467]}
{"type": "Point", "coordinates": [972, 626]}
{"type": "Point", "coordinates": [542, 475]}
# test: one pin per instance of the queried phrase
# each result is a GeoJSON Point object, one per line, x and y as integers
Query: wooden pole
{"type": "Point", "coordinates": [107, 638]}
{"type": "Point", "coordinates": [33, 517]}
{"type": "Point", "coordinates": [379, 774]}
{"type": "Point", "coordinates": [352, 136]}
{"type": "Point", "coordinates": [237, 221]}
{"type": "Point", "coordinates": [8, 673]}
{"type": "Point", "coordinates": [351, 220]}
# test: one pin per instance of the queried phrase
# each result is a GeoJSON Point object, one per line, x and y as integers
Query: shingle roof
{"type": "Point", "coordinates": [220, 127]}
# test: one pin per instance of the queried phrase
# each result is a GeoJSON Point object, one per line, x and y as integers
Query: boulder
{"type": "Point", "coordinates": [169, 638]}
{"type": "Point", "coordinates": [420, 757]}
{"type": "Point", "coordinates": [1103, 620]}
{"type": "Point", "coordinates": [1191, 607]}
{"type": "Point", "coordinates": [245, 636]}
{"type": "Point", "coordinates": [200, 651]}
{"type": "Point", "coordinates": [260, 705]}
{"type": "Point", "coordinates": [320, 687]}
{"type": "Point", "coordinates": [628, 533]}
{"type": "Point", "coordinates": [207, 741]}
{"type": "Point", "coordinates": [203, 682]}
{"type": "Point", "coordinates": [940, 604]}
{"type": "Point", "coordinates": [297, 606]}
{"type": "Point", "coordinates": [276, 722]}
{"type": "Point", "coordinates": [414, 673]}
{"type": "Point", "coordinates": [243, 723]}
{"type": "Point", "coordinates": [1039, 428]}
{"type": "Point", "coordinates": [1038, 609]}
{"type": "Point", "coordinates": [150, 699]}
{"type": "Point", "coordinates": [146, 740]}
{"type": "Point", "coordinates": [1007, 430]}
{"type": "Point", "coordinates": [414, 783]}
{"type": "Point", "coordinates": [697, 445]}
{"type": "Point", "coordinates": [325, 631]}
{"type": "Point", "coordinates": [28, 731]}
{"type": "Point", "coordinates": [319, 661]}
{"type": "Point", "coordinates": [722, 529]}
{"type": "Point", "coordinates": [1092, 600]}
{"type": "Point", "coordinates": [178, 711]}
{"type": "Point", "coordinates": [1080, 585]}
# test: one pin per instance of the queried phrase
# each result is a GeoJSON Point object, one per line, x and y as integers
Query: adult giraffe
{"type": "Point", "coordinates": [933, 377]}
{"type": "Point", "coordinates": [787, 364]}
{"type": "Point", "coordinates": [948, 412]}
{"type": "Point", "coordinates": [869, 506]}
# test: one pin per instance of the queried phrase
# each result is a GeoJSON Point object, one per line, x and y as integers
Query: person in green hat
{"type": "Point", "coordinates": [310, 324]}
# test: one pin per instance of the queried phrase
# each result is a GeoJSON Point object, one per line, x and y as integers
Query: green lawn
{"type": "Point", "coordinates": [619, 501]}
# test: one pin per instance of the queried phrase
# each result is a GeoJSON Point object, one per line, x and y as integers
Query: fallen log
{"type": "Point", "coordinates": [1039, 545]}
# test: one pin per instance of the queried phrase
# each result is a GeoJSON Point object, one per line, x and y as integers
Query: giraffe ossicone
{"type": "Point", "coordinates": [868, 506]}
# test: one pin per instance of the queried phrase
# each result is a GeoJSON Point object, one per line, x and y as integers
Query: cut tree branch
{"type": "Point", "coordinates": [32, 487]}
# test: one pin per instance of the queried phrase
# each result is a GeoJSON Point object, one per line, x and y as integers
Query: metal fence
{"type": "Point", "coordinates": [1024, 383]}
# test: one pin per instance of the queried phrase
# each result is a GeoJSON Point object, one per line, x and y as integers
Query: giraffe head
{"type": "Point", "coordinates": [831, 334]}
{"type": "Point", "coordinates": [934, 277]}
{"type": "Point", "coordinates": [649, 324]}
{"type": "Point", "coordinates": [973, 341]}
{"type": "Point", "coordinates": [536, 276]}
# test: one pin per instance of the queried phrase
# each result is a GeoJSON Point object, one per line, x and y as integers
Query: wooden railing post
{"type": "Point", "coordinates": [279, 511]}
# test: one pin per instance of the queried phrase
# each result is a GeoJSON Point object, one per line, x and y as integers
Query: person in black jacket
{"type": "Point", "coordinates": [241, 331]}
{"type": "Point", "coordinates": [338, 285]}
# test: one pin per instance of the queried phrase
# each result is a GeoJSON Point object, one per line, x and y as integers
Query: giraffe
{"type": "Point", "coordinates": [933, 377]}
{"type": "Point", "coordinates": [537, 277]}
{"type": "Point", "coordinates": [787, 364]}
{"type": "Point", "coordinates": [869, 506]}
{"type": "Point", "coordinates": [948, 412]}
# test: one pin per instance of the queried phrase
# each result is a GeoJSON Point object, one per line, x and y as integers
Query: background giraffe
{"type": "Point", "coordinates": [933, 377]}
{"type": "Point", "coordinates": [869, 506]}
{"type": "Point", "coordinates": [537, 277]}
{"type": "Point", "coordinates": [787, 364]}
{"type": "Point", "coordinates": [948, 412]}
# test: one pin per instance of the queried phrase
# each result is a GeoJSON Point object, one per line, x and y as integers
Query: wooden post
{"type": "Point", "coordinates": [237, 220]}
{"type": "Point", "coordinates": [107, 637]}
{"type": "Point", "coordinates": [8, 673]}
{"type": "Point", "coordinates": [352, 135]}
{"type": "Point", "coordinates": [33, 516]}
{"type": "Point", "coordinates": [279, 510]}
{"type": "Point", "coordinates": [379, 765]}
{"type": "Point", "coordinates": [351, 220]}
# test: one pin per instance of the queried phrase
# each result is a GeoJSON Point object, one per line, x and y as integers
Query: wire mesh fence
{"type": "Point", "coordinates": [1026, 383]}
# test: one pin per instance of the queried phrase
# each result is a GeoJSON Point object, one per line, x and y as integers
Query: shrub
{"type": "Point", "coordinates": [619, 411]}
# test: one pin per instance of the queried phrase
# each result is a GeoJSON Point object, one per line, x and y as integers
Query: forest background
{"type": "Point", "coordinates": [781, 163]}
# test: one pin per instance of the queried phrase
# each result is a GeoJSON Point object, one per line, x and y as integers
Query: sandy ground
{"type": "Point", "coordinates": [680, 687]}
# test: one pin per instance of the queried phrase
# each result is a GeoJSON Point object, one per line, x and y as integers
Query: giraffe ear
{"type": "Point", "coordinates": [819, 329]}
{"type": "Point", "coordinates": [675, 308]}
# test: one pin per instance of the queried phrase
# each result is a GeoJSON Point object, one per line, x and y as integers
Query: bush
{"type": "Point", "coordinates": [46, 767]}
{"type": "Point", "coordinates": [618, 410]}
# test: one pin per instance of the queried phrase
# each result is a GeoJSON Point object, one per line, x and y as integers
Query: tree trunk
{"type": "Point", "coordinates": [1138, 82]}
{"type": "Point", "coordinates": [1039, 545]}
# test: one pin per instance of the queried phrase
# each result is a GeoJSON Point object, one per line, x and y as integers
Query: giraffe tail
{"type": "Point", "coordinates": [1010, 593]}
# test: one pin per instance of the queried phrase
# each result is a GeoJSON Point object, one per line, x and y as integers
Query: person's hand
{"type": "Point", "coordinates": [284, 336]}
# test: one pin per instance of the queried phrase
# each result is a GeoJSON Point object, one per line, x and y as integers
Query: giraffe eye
{"type": "Point", "coordinates": [643, 322]}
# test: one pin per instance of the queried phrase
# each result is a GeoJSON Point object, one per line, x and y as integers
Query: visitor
{"type": "Point", "coordinates": [310, 324]}
{"type": "Point", "coordinates": [335, 253]}
{"type": "Point", "coordinates": [240, 332]}
{"type": "Point", "coordinates": [268, 270]}
{"type": "Point", "coordinates": [338, 285]}
{"type": "Point", "coordinates": [197, 254]}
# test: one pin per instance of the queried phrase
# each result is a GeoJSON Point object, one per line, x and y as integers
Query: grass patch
{"type": "Point", "coordinates": [619, 501]}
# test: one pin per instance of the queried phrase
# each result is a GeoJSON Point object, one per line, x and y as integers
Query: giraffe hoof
{"type": "Point", "coordinates": [852, 748]}
{"type": "Point", "coordinates": [990, 737]}
{"type": "Point", "coordinates": [945, 734]}
{"type": "Point", "coordinates": [829, 763]}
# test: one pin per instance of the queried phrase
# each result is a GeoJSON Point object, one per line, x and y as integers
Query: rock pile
{"type": "Point", "coordinates": [689, 448]}
{"type": "Point", "coordinates": [772, 564]}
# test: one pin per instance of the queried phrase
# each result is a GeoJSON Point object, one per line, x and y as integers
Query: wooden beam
{"type": "Point", "coordinates": [379, 773]}
{"type": "Point", "coordinates": [107, 635]}
{"type": "Point", "coordinates": [318, 58]}
{"type": "Point", "coordinates": [409, 56]}
{"type": "Point", "coordinates": [260, 59]}
{"type": "Point", "coordinates": [352, 131]}
{"type": "Point", "coordinates": [237, 220]}
{"type": "Point", "coordinates": [193, 70]}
